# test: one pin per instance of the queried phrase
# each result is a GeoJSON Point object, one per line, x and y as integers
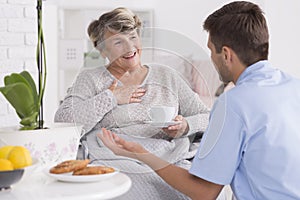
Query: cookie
{"type": "Point", "coordinates": [69, 166]}
{"type": "Point", "coordinates": [92, 170]}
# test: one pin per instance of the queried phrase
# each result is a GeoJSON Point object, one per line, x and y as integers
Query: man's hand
{"type": "Point", "coordinates": [120, 146]}
{"type": "Point", "coordinates": [177, 130]}
{"type": "Point", "coordinates": [133, 150]}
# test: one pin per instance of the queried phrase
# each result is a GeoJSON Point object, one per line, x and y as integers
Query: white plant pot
{"type": "Point", "coordinates": [57, 143]}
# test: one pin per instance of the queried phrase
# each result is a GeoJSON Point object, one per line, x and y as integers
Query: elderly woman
{"type": "Point", "coordinates": [118, 97]}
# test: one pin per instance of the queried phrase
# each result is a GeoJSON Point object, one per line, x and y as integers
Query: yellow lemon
{"type": "Point", "coordinates": [5, 165]}
{"type": "Point", "coordinates": [4, 151]}
{"type": "Point", "coordinates": [20, 157]}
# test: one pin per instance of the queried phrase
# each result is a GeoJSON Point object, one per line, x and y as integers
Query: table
{"type": "Point", "coordinates": [40, 186]}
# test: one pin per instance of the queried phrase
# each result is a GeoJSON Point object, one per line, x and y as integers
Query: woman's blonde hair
{"type": "Point", "coordinates": [119, 20]}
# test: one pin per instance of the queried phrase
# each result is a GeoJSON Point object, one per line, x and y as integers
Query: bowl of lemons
{"type": "Point", "coordinates": [13, 162]}
{"type": "Point", "coordinates": [10, 177]}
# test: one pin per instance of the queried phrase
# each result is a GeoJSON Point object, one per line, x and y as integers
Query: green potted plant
{"type": "Point", "coordinates": [54, 144]}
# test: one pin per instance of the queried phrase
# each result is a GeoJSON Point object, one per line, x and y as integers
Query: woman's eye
{"type": "Point", "coordinates": [133, 37]}
{"type": "Point", "coordinates": [117, 43]}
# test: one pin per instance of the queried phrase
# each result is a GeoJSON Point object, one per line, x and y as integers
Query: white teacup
{"type": "Point", "coordinates": [162, 113]}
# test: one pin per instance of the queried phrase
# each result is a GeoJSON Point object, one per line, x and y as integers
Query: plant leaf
{"type": "Point", "coordinates": [15, 78]}
{"type": "Point", "coordinates": [31, 82]}
{"type": "Point", "coordinates": [30, 120]}
{"type": "Point", "coordinates": [28, 127]}
{"type": "Point", "coordinates": [25, 94]}
{"type": "Point", "coordinates": [20, 97]}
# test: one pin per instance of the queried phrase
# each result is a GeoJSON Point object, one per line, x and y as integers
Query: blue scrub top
{"type": "Point", "coordinates": [253, 138]}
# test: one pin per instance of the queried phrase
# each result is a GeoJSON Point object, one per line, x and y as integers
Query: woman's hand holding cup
{"type": "Point", "coordinates": [177, 130]}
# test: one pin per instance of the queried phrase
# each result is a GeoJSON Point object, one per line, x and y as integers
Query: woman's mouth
{"type": "Point", "coordinates": [129, 56]}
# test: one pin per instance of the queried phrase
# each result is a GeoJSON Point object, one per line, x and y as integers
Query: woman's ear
{"type": "Point", "coordinates": [103, 53]}
{"type": "Point", "coordinates": [104, 56]}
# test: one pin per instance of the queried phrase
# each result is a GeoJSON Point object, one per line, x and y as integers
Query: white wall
{"type": "Point", "coordinates": [50, 16]}
{"type": "Point", "coordinates": [187, 17]}
{"type": "Point", "coordinates": [140, 4]}
{"type": "Point", "coordinates": [283, 17]}
{"type": "Point", "coordinates": [17, 47]}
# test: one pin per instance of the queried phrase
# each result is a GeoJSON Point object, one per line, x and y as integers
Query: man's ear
{"type": "Point", "coordinates": [227, 54]}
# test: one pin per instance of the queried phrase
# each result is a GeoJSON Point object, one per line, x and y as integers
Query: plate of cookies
{"type": "Point", "coordinates": [80, 171]}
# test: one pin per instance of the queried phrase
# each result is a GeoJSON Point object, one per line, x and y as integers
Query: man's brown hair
{"type": "Point", "coordinates": [241, 26]}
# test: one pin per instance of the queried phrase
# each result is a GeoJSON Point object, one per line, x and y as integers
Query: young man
{"type": "Point", "coordinates": [253, 135]}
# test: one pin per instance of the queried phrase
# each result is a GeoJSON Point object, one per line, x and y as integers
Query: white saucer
{"type": "Point", "coordinates": [162, 124]}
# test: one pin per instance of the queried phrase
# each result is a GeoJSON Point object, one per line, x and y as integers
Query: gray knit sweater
{"type": "Point", "coordinates": [91, 103]}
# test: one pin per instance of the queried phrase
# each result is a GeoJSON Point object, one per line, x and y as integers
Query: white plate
{"type": "Point", "coordinates": [162, 124]}
{"type": "Point", "coordinates": [68, 177]}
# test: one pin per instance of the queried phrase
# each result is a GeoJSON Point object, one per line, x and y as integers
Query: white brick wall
{"type": "Point", "coordinates": [30, 39]}
{"type": "Point", "coordinates": [18, 39]}
{"type": "Point", "coordinates": [11, 39]}
{"type": "Point", "coordinates": [3, 24]}
{"type": "Point", "coordinates": [11, 11]}
{"type": "Point", "coordinates": [8, 66]}
{"type": "Point", "coordinates": [24, 52]}
{"type": "Point", "coordinates": [22, 25]}
{"type": "Point", "coordinates": [22, 2]}
{"type": "Point", "coordinates": [3, 53]}
{"type": "Point", "coordinates": [30, 12]}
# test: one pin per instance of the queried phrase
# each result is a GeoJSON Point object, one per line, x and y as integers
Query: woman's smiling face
{"type": "Point", "coordinates": [122, 49]}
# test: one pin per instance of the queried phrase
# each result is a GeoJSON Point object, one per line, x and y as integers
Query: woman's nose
{"type": "Point", "coordinates": [129, 46]}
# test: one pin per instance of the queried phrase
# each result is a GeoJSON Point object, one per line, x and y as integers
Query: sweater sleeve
{"type": "Point", "coordinates": [192, 108]}
{"type": "Point", "coordinates": [86, 102]}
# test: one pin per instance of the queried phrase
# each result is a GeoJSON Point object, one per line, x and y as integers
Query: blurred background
{"type": "Point", "coordinates": [172, 34]}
